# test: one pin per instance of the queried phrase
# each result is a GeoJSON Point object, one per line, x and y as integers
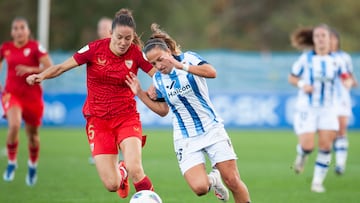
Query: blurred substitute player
{"type": "Point", "coordinates": [21, 101]}
{"type": "Point", "coordinates": [113, 121]}
{"type": "Point", "coordinates": [344, 104]}
{"type": "Point", "coordinates": [180, 83]}
{"type": "Point", "coordinates": [315, 73]}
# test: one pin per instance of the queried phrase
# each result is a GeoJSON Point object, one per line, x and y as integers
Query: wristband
{"type": "Point", "coordinates": [186, 67]}
{"type": "Point", "coordinates": [300, 84]}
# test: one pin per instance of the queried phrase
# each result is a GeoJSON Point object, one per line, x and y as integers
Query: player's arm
{"type": "Point", "coordinates": [297, 82]}
{"type": "Point", "coordinates": [347, 80]}
{"type": "Point", "coordinates": [52, 71]}
{"type": "Point", "coordinates": [151, 72]}
{"type": "Point", "coordinates": [45, 62]}
{"type": "Point", "coordinates": [203, 69]}
{"type": "Point", "coordinates": [160, 108]}
{"type": "Point", "coordinates": [355, 82]}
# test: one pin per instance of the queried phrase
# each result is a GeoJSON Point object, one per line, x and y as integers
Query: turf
{"type": "Point", "coordinates": [265, 163]}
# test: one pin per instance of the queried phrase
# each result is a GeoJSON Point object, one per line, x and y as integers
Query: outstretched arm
{"type": "Point", "coordinates": [160, 108]}
{"type": "Point", "coordinates": [52, 71]}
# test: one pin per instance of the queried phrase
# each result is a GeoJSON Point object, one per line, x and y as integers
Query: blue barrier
{"type": "Point", "coordinates": [239, 110]}
{"type": "Point", "coordinates": [250, 91]}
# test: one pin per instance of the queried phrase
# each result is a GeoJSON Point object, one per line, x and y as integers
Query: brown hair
{"type": "Point", "coordinates": [159, 36]}
{"type": "Point", "coordinates": [302, 38]}
{"type": "Point", "coordinates": [124, 17]}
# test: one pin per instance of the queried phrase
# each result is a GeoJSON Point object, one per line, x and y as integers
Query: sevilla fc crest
{"type": "Point", "coordinates": [128, 63]}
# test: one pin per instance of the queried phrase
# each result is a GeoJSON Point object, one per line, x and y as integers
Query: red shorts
{"type": "Point", "coordinates": [104, 136]}
{"type": "Point", "coordinates": [31, 110]}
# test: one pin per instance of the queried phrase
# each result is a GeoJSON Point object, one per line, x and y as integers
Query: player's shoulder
{"type": "Point", "coordinates": [99, 43]}
{"type": "Point", "coordinates": [7, 44]}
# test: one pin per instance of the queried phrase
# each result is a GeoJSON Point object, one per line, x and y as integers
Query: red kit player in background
{"type": "Point", "coordinates": [112, 120]}
{"type": "Point", "coordinates": [20, 100]}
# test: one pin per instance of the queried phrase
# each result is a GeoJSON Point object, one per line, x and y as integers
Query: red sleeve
{"type": "Point", "coordinates": [2, 48]}
{"type": "Point", "coordinates": [143, 63]}
{"type": "Point", "coordinates": [40, 50]}
{"type": "Point", "coordinates": [84, 54]}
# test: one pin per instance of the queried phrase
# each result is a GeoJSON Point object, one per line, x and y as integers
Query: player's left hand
{"type": "Point", "coordinates": [22, 70]}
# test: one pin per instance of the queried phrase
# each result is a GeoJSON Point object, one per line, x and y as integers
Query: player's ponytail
{"type": "Point", "coordinates": [157, 33]}
{"type": "Point", "coordinates": [302, 38]}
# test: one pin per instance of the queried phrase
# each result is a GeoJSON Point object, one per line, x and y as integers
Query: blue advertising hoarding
{"type": "Point", "coordinates": [239, 110]}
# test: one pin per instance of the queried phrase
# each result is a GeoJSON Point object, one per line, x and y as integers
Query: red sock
{"type": "Point", "coordinates": [34, 153]}
{"type": "Point", "coordinates": [144, 184]}
{"type": "Point", "coordinates": [12, 151]}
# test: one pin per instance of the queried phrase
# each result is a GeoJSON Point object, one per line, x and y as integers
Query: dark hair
{"type": "Point", "coordinates": [336, 35]}
{"type": "Point", "coordinates": [124, 17]}
{"type": "Point", "coordinates": [302, 38]}
{"type": "Point", "coordinates": [155, 42]}
{"type": "Point", "coordinates": [160, 38]}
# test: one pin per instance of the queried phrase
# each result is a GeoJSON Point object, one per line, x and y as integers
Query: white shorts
{"type": "Point", "coordinates": [216, 144]}
{"type": "Point", "coordinates": [314, 119]}
{"type": "Point", "coordinates": [344, 107]}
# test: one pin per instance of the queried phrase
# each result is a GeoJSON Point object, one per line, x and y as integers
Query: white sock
{"type": "Point", "coordinates": [31, 164]}
{"type": "Point", "coordinates": [341, 145]}
{"type": "Point", "coordinates": [321, 166]}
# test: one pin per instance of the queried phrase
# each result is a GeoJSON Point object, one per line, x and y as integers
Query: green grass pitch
{"type": "Point", "coordinates": [265, 164]}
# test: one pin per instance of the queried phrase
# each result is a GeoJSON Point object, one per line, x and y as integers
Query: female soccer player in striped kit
{"type": "Point", "coordinates": [181, 82]}
{"type": "Point", "coordinates": [113, 122]}
{"type": "Point", "coordinates": [344, 106]}
{"type": "Point", "coordinates": [315, 74]}
{"type": "Point", "coordinates": [24, 56]}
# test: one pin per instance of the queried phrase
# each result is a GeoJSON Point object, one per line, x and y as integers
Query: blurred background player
{"type": "Point", "coordinates": [104, 28]}
{"type": "Point", "coordinates": [315, 73]}
{"type": "Point", "coordinates": [344, 103]}
{"type": "Point", "coordinates": [112, 120]}
{"type": "Point", "coordinates": [181, 82]}
{"type": "Point", "coordinates": [21, 101]}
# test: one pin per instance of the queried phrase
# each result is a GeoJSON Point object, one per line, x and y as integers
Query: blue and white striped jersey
{"type": "Point", "coordinates": [187, 95]}
{"type": "Point", "coordinates": [343, 93]}
{"type": "Point", "coordinates": [321, 72]}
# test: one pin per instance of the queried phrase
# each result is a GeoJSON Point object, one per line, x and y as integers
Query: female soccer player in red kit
{"type": "Point", "coordinates": [24, 56]}
{"type": "Point", "coordinates": [113, 122]}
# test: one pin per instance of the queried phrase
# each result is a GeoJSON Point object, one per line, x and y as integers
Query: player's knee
{"type": "Point", "coordinates": [112, 186]}
{"type": "Point", "coordinates": [135, 172]}
{"type": "Point", "coordinates": [200, 190]}
{"type": "Point", "coordinates": [14, 128]}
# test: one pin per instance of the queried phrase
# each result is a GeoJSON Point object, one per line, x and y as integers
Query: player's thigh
{"type": "Point", "coordinates": [228, 169]}
{"type": "Point", "coordinates": [106, 165]}
{"type": "Point", "coordinates": [197, 177]}
{"type": "Point", "coordinates": [326, 139]}
{"type": "Point", "coordinates": [307, 140]}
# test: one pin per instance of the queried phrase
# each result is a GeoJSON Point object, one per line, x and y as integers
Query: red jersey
{"type": "Point", "coordinates": [108, 95]}
{"type": "Point", "coordinates": [28, 55]}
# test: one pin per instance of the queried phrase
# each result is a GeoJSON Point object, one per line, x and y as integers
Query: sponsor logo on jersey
{"type": "Point", "coordinates": [101, 62]}
{"type": "Point", "coordinates": [178, 91]}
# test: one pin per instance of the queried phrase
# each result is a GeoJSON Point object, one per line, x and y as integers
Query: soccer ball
{"type": "Point", "coordinates": [145, 196]}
